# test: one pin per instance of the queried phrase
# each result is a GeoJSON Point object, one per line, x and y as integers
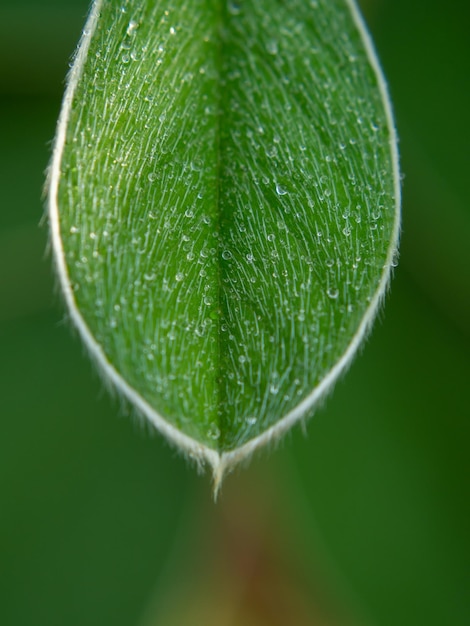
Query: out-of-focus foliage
{"type": "Point", "coordinates": [99, 523]}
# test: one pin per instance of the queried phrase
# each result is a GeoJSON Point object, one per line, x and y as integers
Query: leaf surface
{"type": "Point", "coordinates": [224, 209]}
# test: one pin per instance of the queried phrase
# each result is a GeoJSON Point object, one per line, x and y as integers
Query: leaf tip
{"type": "Point", "coordinates": [218, 472]}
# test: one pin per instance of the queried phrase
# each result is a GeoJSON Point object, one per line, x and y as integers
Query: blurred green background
{"type": "Point", "coordinates": [364, 521]}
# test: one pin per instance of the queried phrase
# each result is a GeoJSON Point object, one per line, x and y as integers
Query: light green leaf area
{"type": "Point", "coordinates": [223, 206]}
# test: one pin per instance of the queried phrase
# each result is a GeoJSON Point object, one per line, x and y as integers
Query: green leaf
{"type": "Point", "coordinates": [224, 209]}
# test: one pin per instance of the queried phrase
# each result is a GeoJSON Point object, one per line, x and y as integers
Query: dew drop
{"type": "Point", "coordinates": [332, 293]}
{"type": "Point", "coordinates": [213, 432]}
{"type": "Point", "coordinates": [179, 276]}
{"type": "Point", "coordinates": [271, 47]}
{"type": "Point", "coordinates": [234, 8]}
{"type": "Point", "coordinates": [281, 191]}
{"type": "Point", "coordinates": [133, 26]}
{"type": "Point", "coordinates": [251, 421]}
{"type": "Point", "coordinates": [196, 165]}
{"type": "Point", "coordinates": [226, 255]}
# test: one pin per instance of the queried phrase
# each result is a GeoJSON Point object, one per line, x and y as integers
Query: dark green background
{"type": "Point", "coordinates": [94, 512]}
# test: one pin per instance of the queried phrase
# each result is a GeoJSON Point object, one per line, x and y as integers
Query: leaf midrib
{"type": "Point", "coordinates": [220, 23]}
